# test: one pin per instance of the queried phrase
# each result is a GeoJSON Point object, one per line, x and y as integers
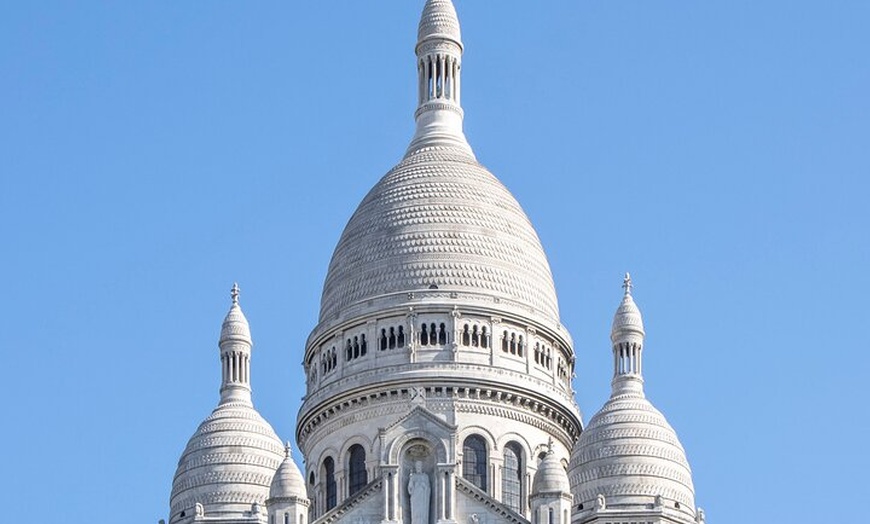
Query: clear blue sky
{"type": "Point", "coordinates": [151, 153]}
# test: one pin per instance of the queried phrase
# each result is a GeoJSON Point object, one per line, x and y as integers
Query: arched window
{"type": "Point", "coordinates": [357, 476]}
{"type": "Point", "coordinates": [442, 334]}
{"type": "Point", "coordinates": [329, 477]}
{"type": "Point", "coordinates": [512, 477]}
{"type": "Point", "coordinates": [286, 518]}
{"type": "Point", "coordinates": [401, 339]}
{"type": "Point", "coordinates": [474, 462]}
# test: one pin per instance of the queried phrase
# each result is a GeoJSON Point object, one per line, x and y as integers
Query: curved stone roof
{"type": "Point", "coordinates": [627, 319]}
{"type": "Point", "coordinates": [228, 463]}
{"type": "Point", "coordinates": [439, 19]}
{"type": "Point", "coordinates": [551, 476]}
{"type": "Point", "coordinates": [630, 454]}
{"type": "Point", "coordinates": [288, 481]}
{"type": "Point", "coordinates": [441, 219]}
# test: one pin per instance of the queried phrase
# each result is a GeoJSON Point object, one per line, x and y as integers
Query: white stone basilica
{"type": "Point", "coordinates": [439, 375]}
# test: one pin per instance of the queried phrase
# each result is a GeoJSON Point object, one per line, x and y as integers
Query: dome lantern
{"type": "Point", "coordinates": [235, 352]}
{"type": "Point", "coordinates": [439, 48]}
{"type": "Point", "coordinates": [627, 336]}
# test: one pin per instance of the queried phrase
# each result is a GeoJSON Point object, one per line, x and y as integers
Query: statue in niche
{"type": "Point", "coordinates": [600, 502]}
{"type": "Point", "coordinates": [199, 510]}
{"type": "Point", "coordinates": [419, 490]}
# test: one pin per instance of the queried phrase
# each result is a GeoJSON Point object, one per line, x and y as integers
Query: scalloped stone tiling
{"type": "Point", "coordinates": [439, 218]}
{"type": "Point", "coordinates": [439, 17]}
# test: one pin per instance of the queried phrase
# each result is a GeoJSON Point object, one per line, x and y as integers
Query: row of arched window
{"type": "Point", "coordinates": [562, 370]}
{"type": "Point", "coordinates": [392, 338]}
{"type": "Point", "coordinates": [475, 336]}
{"type": "Point", "coordinates": [475, 468]}
{"type": "Point", "coordinates": [357, 476]}
{"type": "Point", "coordinates": [543, 356]}
{"type": "Point", "coordinates": [513, 344]}
{"type": "Point", "coordinates": [433, 335]}
{"type": "Point", "coordinates": [328, 360]}
{"type": "Point", "coordinates": [355, 347]}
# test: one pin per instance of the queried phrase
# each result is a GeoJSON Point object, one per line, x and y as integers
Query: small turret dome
{"type": "Point", "coordinates": [631, 455]}
{"type": "Point", "coordinates": [439, 19]}
{"type": "Point", "coordinates": [235, 328]}
{"type": "Point", "coordinates": [287, 482]}
{"type": "Point", "coordinates": [551, 476]}
{"type": "Point", "coordinates": [627, 319]}
{"type": "Point", "coordinates": [227, 464]}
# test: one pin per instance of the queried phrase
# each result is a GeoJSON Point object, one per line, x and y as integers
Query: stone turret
{"type": "Point", "coordinates": [288, 502]}
{"type": "Point", "coordinates": [551, 499]}
{"type": "Point", "coordinates": [628, 464]}
{"type": "Point", "coordinates": [224, 473]}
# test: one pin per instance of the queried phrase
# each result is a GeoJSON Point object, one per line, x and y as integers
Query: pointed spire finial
{"type": "Point", "coordinates": [550, 446]}
{"type": "Point", "coordinates": [287, 449]}
{"type": "Point", "coordinates": [626, 284]}
{"type": "Point", "coordinates": [234, 293]}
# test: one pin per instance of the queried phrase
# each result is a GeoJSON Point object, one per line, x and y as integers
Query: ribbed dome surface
{"type": "Point", "coordinates": [630, 454]}
{"type": "Point", "coordinates": [439, 18]}
{"type": "Point", "coordinates": [551, 476]}
{"type": "Point", "coordinates": [288, 481]}
{"type": "Point", "coordinates": [230, 460]}
{"type": "Point", "coordinates": [439, 219]}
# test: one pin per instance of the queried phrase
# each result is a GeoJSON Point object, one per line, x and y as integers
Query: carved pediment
{"type": "Point", "coordinates": [418, 423]}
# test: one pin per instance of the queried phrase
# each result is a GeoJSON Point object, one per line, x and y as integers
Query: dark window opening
{"type": "Point", "coordinates": [474, 461]}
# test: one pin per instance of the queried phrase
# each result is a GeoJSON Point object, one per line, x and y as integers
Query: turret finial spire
{"type": "Point", "coordinates": [626, 284]}
{"type": "Point", "coordinates": [235, 352]}
{"type": "Point", "coordinates": [627, 336]}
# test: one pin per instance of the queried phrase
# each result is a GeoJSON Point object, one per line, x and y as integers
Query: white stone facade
{"type": "Point", "coordinates": [438, 357]}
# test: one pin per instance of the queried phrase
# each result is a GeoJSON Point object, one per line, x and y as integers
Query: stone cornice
{"type": "Point", "coordinates": [469, 395]}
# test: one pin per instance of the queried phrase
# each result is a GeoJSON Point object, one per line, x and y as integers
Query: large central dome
{"type": "Point", "coordinates": [439, 219]}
